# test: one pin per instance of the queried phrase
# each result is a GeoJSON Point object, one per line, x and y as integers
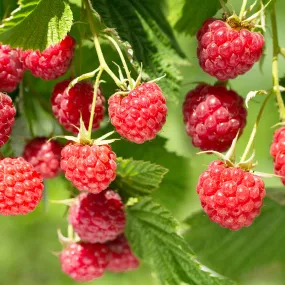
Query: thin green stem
{"type": "Point", "coordinates": [275, 75]}
{"type": "Point", "coordinates": [282, 51]}
{"type": "Point", "coordinates": [122, 59]}
{"type": "Point", "coordinates": [254, 130]}
{"type": "Point", "coordinates": [242, 9]}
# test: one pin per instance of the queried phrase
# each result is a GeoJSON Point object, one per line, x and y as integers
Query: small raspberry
{"type": "Point", "coordinates": [98, 218]}
{"type": "Point", "coordinates": [44, 155]}
{"type": "Point", "coordinates": [84, 262]}
{"type": "Point", "coordinates": [51, 63]}
{"type": "Point", "coordinates": [213, 115]}
{"type": "Point", "coordinates": [69, 106]}
{"type": "Point", "coordinates": [140, 115]}
{"type": "Point", "coordinates": [277, 150]}
{"type": "Point", "coordinates": [89, 168]}
{"type": "Point", "coordinates": [21, 187]}
{"type": "Point", "coordinates": [121, 257]}
{"type": "Point", "coordinates": [7, 115]}
{"type": "Point", "coordinates": [230, 196]}
{"type": "Point", "coordinates": [11, 68]}
{"type": "Point", "coordinates": [224, 52]}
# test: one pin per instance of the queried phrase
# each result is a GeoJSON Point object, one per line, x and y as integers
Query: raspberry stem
{"type": "Point", "coordinates": [282, 51]}
{"type": "Point", "coordinates": [242, 10]}
{"type": "Point", "coordinates": [275, 75]}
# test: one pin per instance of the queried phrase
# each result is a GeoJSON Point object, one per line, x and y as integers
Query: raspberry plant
{"type": "Point", "coordinates": [96, 124]}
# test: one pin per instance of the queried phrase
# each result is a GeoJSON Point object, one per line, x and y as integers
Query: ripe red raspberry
{"type": "Point", "coordinates": [44, 155]}
{"type": "Point", "coordinates": [51, 63]}
{"type": "Point", "coordinates": [84, 262]}
{"type": "Point", "coordinates": [98, 218]}
{"type": "Point", "coordinates": [68, 106]}
{"type": "Point", "coordinates": [277, 151]}
{"type": "Point", "coordinates": [213, 115]}
{"type": "Point", "coordinates": [89, 168]}
{"type": "Point", "coordinates": [11, 68]}
{"type": "Point", "coordinates": [121, 257]}
{"type": "Point", "coordinates": [21, 187]}
{"type": "Point", "coordinates": [230, 196]}
{"type": "Point", "coordinates": [7, 115]}
{"type": "Point", "coordinates": [225, 52]}
{"type": "Point", "coordinates": [140, 115]}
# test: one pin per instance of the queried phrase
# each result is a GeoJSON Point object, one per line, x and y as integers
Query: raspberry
{"type": "Point", "coordinates": [21, 187]}
{"type": "Point", "coordinates": [213, 115]}
{"type": "Point", "coordinates": [277, 151]}
{"type": "Point", "coordinates": [140, 115]}
{"type": "Point", "coordinates": [98, 218]}
{"type": "Point", "coordinates": [89, 168]}
{"type": "Point", "coordinates": [44, 155]}
{"type": "Point", "coordinates": [11, 68]}
{"type": "Point", "coordinates": [68, 106]}
{"type": "Point", "coordinates": [224, 52]}
{"type": "Point", "coordinates": [7, 115]}
{"type": "Point", "coordinates": [53, 62]}
{"type": "Point", "coordinates": [84, 262]}
{"type": "Point", "coordinates": [121, 257]}
{"type": "Point", "coordinates": [230, 196]}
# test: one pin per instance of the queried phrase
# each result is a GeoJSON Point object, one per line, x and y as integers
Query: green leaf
{"type": "Point", "coordinates": [194, 13]}
{"type": "Point", "coordinates": [234, 254]}
{"type": "Point", "coordinates": [138, 178]}
{"type": "Point", "coordinates": [146, 29]}
{"type": "Point", "coordinates": [152, 232]}
{"type": "Point", "coordinates": [37, 24]}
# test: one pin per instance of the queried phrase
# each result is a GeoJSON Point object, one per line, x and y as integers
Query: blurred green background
{"type": "Point", "coordinates": [27, 242]}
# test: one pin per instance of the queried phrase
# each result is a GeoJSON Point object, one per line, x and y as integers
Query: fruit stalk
{"type": "Point", "coordinates": [242, 10]}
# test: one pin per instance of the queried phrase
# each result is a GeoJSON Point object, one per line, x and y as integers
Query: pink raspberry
{"type": "Point", "coordinates": [7, 115]}
{"type": "Point", "coordinates": [51, 63]}
{"type": "Point", "coordinates": [122, 258]}
{"type": "Point", "coordinates": [89, 168]}
{"type": "Point", "coordinates": [213, 115]}
{"type": "Point", "coordinates": [230, 196]}
{"type": "Point", "coordinates": [225, 52]}
{"type": "Point", "coordinates": [68, 106]}
{"type": "Point", "coordinates": [84, 262]}
{"type": "Point", "coordinates": [140, 115]}
{"type": "Point", "coordinates": [11, 68]}
{"type": "Point", "coordinates": [21, 187]}
{"type": "Point", "coordinates": [44, 155]}
{"type": "Point", "coordinates": [98, 218]}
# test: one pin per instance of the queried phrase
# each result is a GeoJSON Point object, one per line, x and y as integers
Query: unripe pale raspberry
{"type": "Point", "coordinates": [230, 196]}
{"type": "Point", "coordinates": [224, 52]}
{"type": "Point", "coordinates": [21, 187]}
{"type": "Point", "coordinates": [51, 63]}
{"type": "Point", "coordinates": [140, 115]}
{"type": "Point", "coordinates": [122, 258]}
{"type": "Point", "coordinates": [84, 262]}
{"type": "Point", "coordinates": [7, 115]}
{"type": "Point", "coordinates": [44, 155]}
{"type": "Point", "coordinates": [213, 115]}
{"type": "Point", "coordinates": [89, 168]}
{"type": "Point", "coordinates": [69, 106]}
{"type": "Point", "coordinates": [11, 68]}
{"type": "Point", "coordinates": [98, 218]}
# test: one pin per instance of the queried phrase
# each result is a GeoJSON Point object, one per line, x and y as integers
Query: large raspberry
{"type": "Point", "coordinates": [98, 218]}
{"type": "Point", "coordinates": [7, 115]}
{"type": "Point", "coordinates": [69, 106]}
{"type": "Point", "coordinates": [224, 52]}
{"type": "Point", "coordinates": [21, 187]}
{"type": "Point", "coordinates": [89, 168]}
{"type": "Point", "coordinates": [44, 155]}
{"type": "Point", "coordinates": [51, 63]}
{"type": "Point", "coordinates": [140, 115]}
{"type": "Point", "coordinates": [277, 151]}
{"type": "Point", "coordinates": [213, 115]}
{"type": "Point", "coordinates": [84, 262]}
{"type": "Point", "coordinates": [11, 68]}
{"type": "Point", "coordinates": [121, 257]}
{"type": "Point", "coordinates": [230, 196]}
